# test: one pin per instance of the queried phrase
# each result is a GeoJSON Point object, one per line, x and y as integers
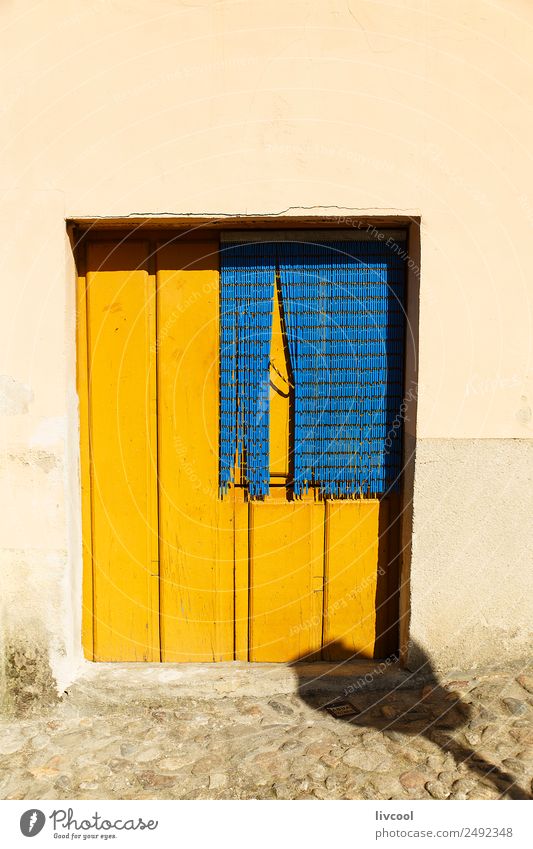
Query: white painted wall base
{"type": "Point", "coordinates": [471, 587]}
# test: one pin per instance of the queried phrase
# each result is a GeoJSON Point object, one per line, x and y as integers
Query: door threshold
{"type": "Point", "coordinates": [164, 682]}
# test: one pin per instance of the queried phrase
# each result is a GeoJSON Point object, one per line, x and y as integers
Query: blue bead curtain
{"type": "Point", "coordinates": [344, 320]}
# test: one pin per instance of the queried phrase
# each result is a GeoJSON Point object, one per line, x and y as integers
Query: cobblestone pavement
{"type": "Point", "coordinates": [471, 738]}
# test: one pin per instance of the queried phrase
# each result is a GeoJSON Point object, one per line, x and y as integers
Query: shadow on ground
{"type": "Point", "coordinates": [419, 705]}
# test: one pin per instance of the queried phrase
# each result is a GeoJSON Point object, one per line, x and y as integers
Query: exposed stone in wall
{"type": "Point", "coordinates": [27, 678]}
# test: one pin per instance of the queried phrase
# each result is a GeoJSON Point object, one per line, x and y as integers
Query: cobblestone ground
{"type": "Point", "coordinates": [465, 739]}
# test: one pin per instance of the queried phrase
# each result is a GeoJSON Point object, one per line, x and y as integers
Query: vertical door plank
{"type": "Point", "coordinates": [121, 351]}
{"type": "Point", "coordinates": [388, 589]}
{"type": "Point", "coordinates": [85, 473]}
{"type": "Point", "coordinates": [286, 578]}
{"type": "Point", "coordinates": [196, 526]}
{"type": "Point", "coordinates": [352, 559]}
{"type": "Point", "coordinates": [241, 574]}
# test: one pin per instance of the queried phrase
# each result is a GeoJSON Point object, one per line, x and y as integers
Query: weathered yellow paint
{"type": "Point", "coordinates": [286, 577]}
{"type": "Point", "coordinates": [280, 393]}
{"type": "Point", "coordinates": [85, 473]}
{"type": "Point", "coordinates": [121, 351]}
{"type": "Point", "coordinates": [196, 526]}
{"type": "Point", "coordinates": [351, 573]}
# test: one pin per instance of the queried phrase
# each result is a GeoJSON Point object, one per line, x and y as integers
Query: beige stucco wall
{"type": "Point", "coordinates": [160, 107]}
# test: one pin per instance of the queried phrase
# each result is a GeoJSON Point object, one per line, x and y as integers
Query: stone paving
{"type": "Point", "coordinates": [471, 738]}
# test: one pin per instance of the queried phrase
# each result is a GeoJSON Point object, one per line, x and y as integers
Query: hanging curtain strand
{"type": "Point", "coordinates": [246, 298]}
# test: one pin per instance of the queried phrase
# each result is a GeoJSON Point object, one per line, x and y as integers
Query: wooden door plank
{"type": "Point", "coordinates": [286, 579]}
{"type": "Point", "coordinates": [387, 591]}
{"type": "Point", "coordinates": [196, 526]}
{"type": "Point", "coordinates": [87, 625]}
{"type": "Point", "coordinates": [121, 350]}
{"type": "Point", "coordinates": [351, 572]}
{"type": "Point", "coordinates": [241, 574]}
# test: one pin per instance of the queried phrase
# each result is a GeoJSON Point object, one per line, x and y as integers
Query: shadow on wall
{"type": "Point", "coordinates": [417, 705]}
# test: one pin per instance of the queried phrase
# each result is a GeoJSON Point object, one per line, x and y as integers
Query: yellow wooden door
{"type": "Point", "coordinates": [173, 570]}
{"type": "Point", "coordinates": [120, 315]}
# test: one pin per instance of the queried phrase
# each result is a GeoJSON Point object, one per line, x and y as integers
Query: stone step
{"type": "Point", "coordinates": [122, 682]}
